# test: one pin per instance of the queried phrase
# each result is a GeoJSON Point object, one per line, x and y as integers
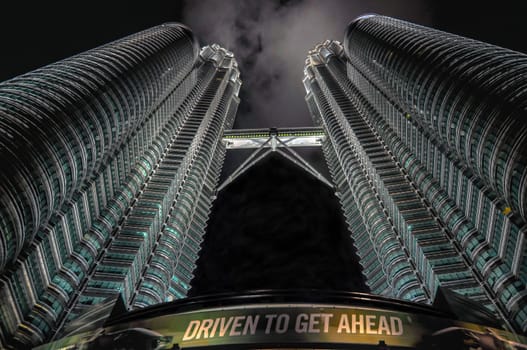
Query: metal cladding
{"type": "Point", "coordinates": [471, 96]}
{"type": "Point", "coordinates": [62, 122]}
{"type": "Point", "coordinates": [113, 158]}
{"type": "Point", "coordinates": [426, 145]}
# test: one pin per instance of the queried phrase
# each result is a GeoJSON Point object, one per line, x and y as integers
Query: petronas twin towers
{"type": "Point", "coordinates": [111, 161]}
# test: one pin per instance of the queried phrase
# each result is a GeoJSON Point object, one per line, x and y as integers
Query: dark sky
{"type": "Point", "coordinates": [277, 227]}
{"type": "Point", "coordinates": [270, 40]}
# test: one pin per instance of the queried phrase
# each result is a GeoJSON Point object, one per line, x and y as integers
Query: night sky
{"type": "Point", "coordinates": [276, 227]}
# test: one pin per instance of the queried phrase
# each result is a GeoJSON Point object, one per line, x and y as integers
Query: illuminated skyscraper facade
{"type": "Point", "coordinates": [111, 158]}
{"type": "Point", "coordinates": [426, 142]}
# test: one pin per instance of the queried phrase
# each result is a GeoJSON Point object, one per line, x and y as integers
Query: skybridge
{"type": "Point", "coordinates": [280, 140]}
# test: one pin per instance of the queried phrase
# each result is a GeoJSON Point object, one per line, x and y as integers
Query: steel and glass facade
{"type": "Point", "coordinates": [427, 145]}
{"type": "Point", "coordinates": [113, 156]}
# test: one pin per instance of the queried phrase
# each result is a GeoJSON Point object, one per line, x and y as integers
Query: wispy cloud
{"type": "Point", "coordinates": [270, 40]}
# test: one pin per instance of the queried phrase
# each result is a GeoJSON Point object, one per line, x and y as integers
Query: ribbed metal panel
{"type": "Point", "coordinates": [472, 95]}
{"type": "Point", "coordinates": [453, 112]}
{"type": "Point", "coordinates": [60, 124]}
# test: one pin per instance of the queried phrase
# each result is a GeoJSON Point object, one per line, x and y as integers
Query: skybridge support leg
{"type": "Point", "coordinates": [281, 141]}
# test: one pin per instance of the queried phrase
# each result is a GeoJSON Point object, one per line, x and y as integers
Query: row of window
{"type": "Point", "coordinates": [424, 238]}
{"type": "Point", "coordinates": [467, 192]}
{"type": "Point", "coordinates": [191, 206]}
{"type": "Point", "coordinates": [399, 273]}
{"type": "Point", "coordinates": [170, 245]}
{"type": "Point", "coordinates": [465, 90]}
{"type": "Point", "coordinates": [154, 201]}
{"type": "Point", "coordinates": [125, 116]}
{"type": "Point", "coordinates": [73, 131]}
{"type": "Point", "coordinates": [447, 212]}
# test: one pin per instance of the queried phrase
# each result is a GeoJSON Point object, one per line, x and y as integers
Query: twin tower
{"type": "Point", "coordinates": [111, 161]}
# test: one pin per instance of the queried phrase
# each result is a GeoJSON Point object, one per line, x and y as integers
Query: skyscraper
{"type": "Point", "coordinates": [427, 145]}
{"type": "Point", "coordinates": [112, 159]}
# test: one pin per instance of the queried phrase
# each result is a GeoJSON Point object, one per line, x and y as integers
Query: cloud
{"type": "Point", "coordinates": [270, 40]}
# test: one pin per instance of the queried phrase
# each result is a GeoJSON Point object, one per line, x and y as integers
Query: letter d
{"type": "Point", "coordinates": [396, 325]}
{"type": "Point", "coordinates": [191, 331]}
